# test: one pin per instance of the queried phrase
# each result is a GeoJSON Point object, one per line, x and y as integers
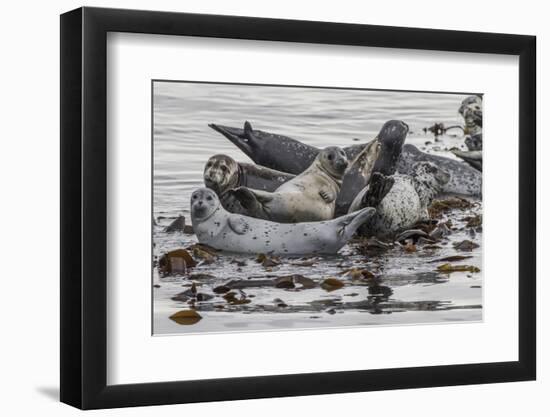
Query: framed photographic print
{"type": "Point", "coordinates": [257, 207]}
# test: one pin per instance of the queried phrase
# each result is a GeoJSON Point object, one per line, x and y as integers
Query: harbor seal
{"type": "Point", "coordinates": [278, 152]}
{"type": "Point", "coordinates": [472, 158]}
{"type": "Point", "coordinates": [379, 155]}
{"type": "Point", "coordinates": [310, 196]}
{"type": "Point", "coordinates": [404, 204]}
{"type": "Point", "coordinates": [221, 173]}
{"type": "Point", "coordinates": [216, 227]}
{"type": "Point", "coordinates": [464, 180]}
{"type": "Point", "coordinates": [472, 112]}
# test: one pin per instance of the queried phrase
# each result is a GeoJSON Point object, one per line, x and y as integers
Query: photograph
{"type": "Point", "coordinates": [295, 207]}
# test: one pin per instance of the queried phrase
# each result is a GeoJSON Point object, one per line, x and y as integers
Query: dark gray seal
{"type": "Point", "coordinates": [278, 152]}
{"type": "Point", "coordinates": [380, 155]}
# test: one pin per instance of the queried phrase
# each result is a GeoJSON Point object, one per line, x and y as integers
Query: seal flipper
{"type": "Point", "coordinates": [379, 186]}
{"type": "Point", "coordinates": [327, 195]}
{"type": "Point", "coordinates": [349, 223]}
{"type": "Point", "coordinates": [238, 224]}
{"type": "Point", "coordinates": [248, 131]}
{"type": "Point", "coordinates": [236, 136]}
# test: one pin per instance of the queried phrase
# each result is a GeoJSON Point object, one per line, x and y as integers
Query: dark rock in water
{"type": "Point", "coordinates": [268, 261]}
{"type": "Point", "coordinates": [414, 235]}
{"type": "Point", "coordinates": [473, 221]}
{"type": "Point", "coordinates": [176, 262]}
{"type": "Point", "coordinates": [448, 268]}
{"type": "Point", "coordinates": [440, 231]}
{"type": "Point", "coordinates": [188, 230]}
{"type": "Point", "coordinates": [180, 297]}
{"type": "Point", "coordinates": [331, 284]}
{"type": "Point", "coordinates": [451, 258]}
{"type": "Point", "coordinates": [231, 298]}
{"type": "Point", "coordinates": [284, 282]}
{"type": "Point", "coordinates": [186, 317]}
{"type": "Point", "coordinates": [176, 226]}
{"type": "Point", "coordinates": [238, 262]}
{"type": "Point", "coordinates": [222, 289]}
{"type": "Point", "coordinates": [465, 245]}
{"type": "Point", "coordinates": [204, 297]}
{"type": "Point", "coordinates": [201, 277]}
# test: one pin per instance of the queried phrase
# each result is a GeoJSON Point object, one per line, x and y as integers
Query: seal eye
{"type": "Point", "coordinates": [209, 198]}
{"type": "Point", "coordinates": [195, 197]}
{"type": "Point", "coordinates": [330, 157]}
{"type": "Point", "coordinates": [224, 168]}
{"type": "Point", "coordinates": [208, 165]}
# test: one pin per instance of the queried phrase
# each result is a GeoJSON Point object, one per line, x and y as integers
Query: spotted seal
{"type": "Point", "coordinates": [216, 227]}
{"type": "Point", "coordinates": [310, 196]}
{"type": "Point", "coordinates": [464, 180]}
{"type": "Point", "coordinates": [379, 155]}
{"type": "Point", "coordinates": [406, 201]}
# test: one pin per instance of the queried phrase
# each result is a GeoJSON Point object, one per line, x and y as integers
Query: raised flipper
{"type": "Point", "coordinates": [250, 199]}
{"type": "Point", "coordinates": [236, 136]}
{"type": "Point", "coordinates": [472, 158]}
{"type": "Point", "coordinates": [248, 131]}
{"type": "Point", "coordinates": [238, 224]}
{"type": "Point", "coordinates": [351, 222]}
{"type": "Point", "coordinates": [327, 195]}
{"type": "Point", "coordinates": [379, 186]}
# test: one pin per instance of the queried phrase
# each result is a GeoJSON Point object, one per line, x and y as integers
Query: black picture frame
{"type": "Point", "coordinates": [84, 207]}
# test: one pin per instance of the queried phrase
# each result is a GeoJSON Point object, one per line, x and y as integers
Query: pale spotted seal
{"type": "Point", "coordinates": [216, 227]}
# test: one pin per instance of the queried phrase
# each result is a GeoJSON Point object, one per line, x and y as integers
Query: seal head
{"type": "Point", "coordinates": [391, 139]}
{"type": "Point", "coordinates": [221, 173]}
{"type": "Point", "coordinates": [333, 161]}
{"type": "Point", "coordinates": [204, 203]}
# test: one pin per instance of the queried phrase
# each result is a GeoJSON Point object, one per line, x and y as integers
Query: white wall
{"type": "Point", "coordinates": [29, 100]}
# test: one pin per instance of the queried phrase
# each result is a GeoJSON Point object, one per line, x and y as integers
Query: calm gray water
{"type": "Point", "coordinates": [322, 117]}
